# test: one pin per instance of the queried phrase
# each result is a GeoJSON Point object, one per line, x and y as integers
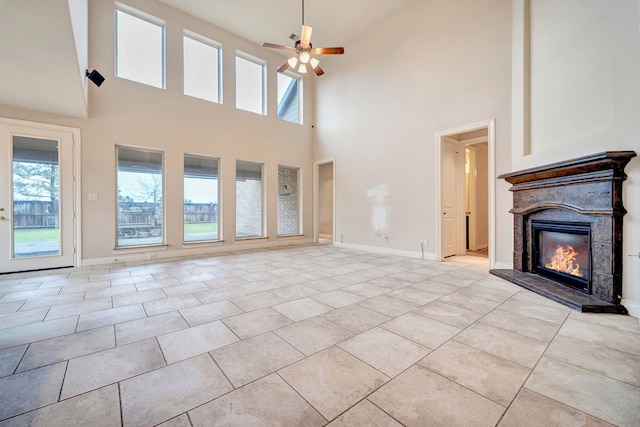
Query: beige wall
{"type": "Point", "coordinates": [576, 92]}
{"type": "Point", "coordinates": [128, 113]}
{"type": "Point", "coordinates": [430, 67]}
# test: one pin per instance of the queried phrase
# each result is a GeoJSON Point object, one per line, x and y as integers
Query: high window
{"type": "Point", "coordinates": [250, 84]}
{"type": "Point", "coordinates": [289, 98]}
{"type": "Point", "coordinates": [139, 46]}
{"type": "Point", "coordinates": [249, 199]}
{"type": "Point", "coordinates": [201, 207]}
{"type": "Point", "coordinates": [201, 67]}
{"type": "Point", "coordinates": [288, 204]}
{"type": "Point", "coordinates": [140, 197]}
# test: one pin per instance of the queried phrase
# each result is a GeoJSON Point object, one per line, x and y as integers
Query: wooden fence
{"type": "Point", "coordinates": [35, 214]}
{"type": "Point", "coordinates": [40, 214]}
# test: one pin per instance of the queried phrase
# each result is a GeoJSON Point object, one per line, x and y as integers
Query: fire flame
{"type": "Point", "coordinates": [562, 261]}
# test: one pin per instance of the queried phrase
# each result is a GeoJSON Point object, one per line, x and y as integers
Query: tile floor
{"type": "Point", "coordinates": [306, 336]}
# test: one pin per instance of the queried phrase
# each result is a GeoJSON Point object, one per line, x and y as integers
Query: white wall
{"type": "Point", "coordinates": [325, 199]}
{"type": "Point", "coordinates": [576, 88]}
{"type": "Point", "coordinates": [127, 113]}
{"type": "Point", "coordinates": [430, 67]}
{"type": "Point", "coordinates": [481, 195]}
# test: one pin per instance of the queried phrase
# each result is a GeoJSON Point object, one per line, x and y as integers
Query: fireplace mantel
{"type": "Point", "coordinates": [588, 190]}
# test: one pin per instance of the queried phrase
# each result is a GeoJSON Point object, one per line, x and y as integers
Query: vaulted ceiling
{"type": "Point", "coordinates": [42, 59]}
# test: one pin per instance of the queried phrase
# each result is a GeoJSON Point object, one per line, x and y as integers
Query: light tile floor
{"type": "Point", "coordinates": [306, 336]}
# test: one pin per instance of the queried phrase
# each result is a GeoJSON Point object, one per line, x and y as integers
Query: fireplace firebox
{"type": "Point", "coordinates": [562, 252]}
{"type": "Point", "coordinates": [567, 231]}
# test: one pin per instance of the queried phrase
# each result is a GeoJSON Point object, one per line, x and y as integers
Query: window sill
{"type": "Point", "coordinates": [294, 236]}
{"type": "Point", "coordinates": [250, 239]}
{"type": "Point", "coordinates": [199, 244]}
{"type": "Point", "coordinates": [140, 248]}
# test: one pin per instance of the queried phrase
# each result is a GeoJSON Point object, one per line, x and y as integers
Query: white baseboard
{"type": "Point", "coordinates": [429, 256]}
{"type": "Point", "coordinates": [503, 265]}
{"type": "Point", "coordinates": [633, 307]}
{"type": "Point", "coordinates": [152, 255]}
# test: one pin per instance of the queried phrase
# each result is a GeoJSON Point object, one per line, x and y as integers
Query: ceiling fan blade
{"type": "Point", "coordinates": [284, 67]}
{"type": "Point", "coordinates": [318, 70]}
{"type": "Point", "coordinates": [327, 50]}
{"type": "Point", "coordinates": [305, 37]}
{"type": "Point", "coordinates": [278, 46]}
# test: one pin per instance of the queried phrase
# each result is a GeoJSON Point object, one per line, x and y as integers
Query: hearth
{"type": "Point", "coordinates": [568, 231]}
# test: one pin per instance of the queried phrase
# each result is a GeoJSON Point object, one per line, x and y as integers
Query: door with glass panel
{"type": "Point", "coordinates": [36, 199]}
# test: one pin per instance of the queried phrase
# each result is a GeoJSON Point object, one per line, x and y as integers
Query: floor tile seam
{"type": "Point", "coordinates": [295, 390]}
{"type": "Point", "coordinates": [391, 377]}
{"type": "Point", "coordinates": [20, 361]}
{"type": "Point", "coordinates": [559, 403]}
{"type": "Point", "coordinates": [120, 406]}
{"type": "Point", "coordinates": [599, 373]}
{"type": "Point", "coordinates": [622, 332]}
{"type": "Point", "coordinates": [56, 402]}
{"type": "Point", "coordinates": [164, 358]}
{"type": "Point", "coordinates": [611, 326]}
{"type": "Point", "coordinates": [495, 355]}
{"type": "Point", "coordinates": [479, 321]}
{"type": "Point", "coordinates": [533, 368]}
{"type": "Point", "coordinates": [374, 404]}
{"type": "Point", "coordinates": [527, 317]}
{"type": "Point", "coordinates": [598, 344]}
{"type": "Point", "coordinates": [588, 412]}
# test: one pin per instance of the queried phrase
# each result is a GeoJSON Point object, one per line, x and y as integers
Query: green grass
{"type": "Point", "coordinates": [201, 227]}
{"type": "Point", "coordinates": [35, 235]}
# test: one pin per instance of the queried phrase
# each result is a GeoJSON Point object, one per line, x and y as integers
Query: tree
{"type": "Point", "coordinates": [35, 181]}
{"type": "Point", "coordinates": [150, 188]}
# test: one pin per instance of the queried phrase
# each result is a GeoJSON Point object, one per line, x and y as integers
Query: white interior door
{"type": "Point", "coordinates": [36, 198]}
{"type": "Point", "coordinates": [449, 199]}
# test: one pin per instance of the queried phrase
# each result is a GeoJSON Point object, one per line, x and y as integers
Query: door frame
{"type": "Point", "coordinates": [77, 195]}
{"type": "Point", "coordinates": [316, 197]}
{"type": "Point", "coordinates": [439, 140]}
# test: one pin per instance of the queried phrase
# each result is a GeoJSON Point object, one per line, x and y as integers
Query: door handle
{"type": "Point", "coordinates": [2, 218]}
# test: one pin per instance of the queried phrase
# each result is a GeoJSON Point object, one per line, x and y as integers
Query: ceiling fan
{"type": "Point", "coordinates": [305, 52]}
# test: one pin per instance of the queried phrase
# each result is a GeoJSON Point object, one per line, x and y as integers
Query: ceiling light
{"type": "Point", "coordinates": [302, 69]}
{"type": "Point", "coordinates": [314, 62]}
{"type": "Point", "coordinates": [293, 62]}
{"type": "Point", "coordinates": [305, 57]}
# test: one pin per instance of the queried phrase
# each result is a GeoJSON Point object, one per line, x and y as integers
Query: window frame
{"type": "Point", "coordinates": [164, 205]}
{"type": "Point", "coordinates": [219, 239]}
{"type": "Point", "coordinates": [257, 61]}
{"type": "Point", "coordinates": [300, 83]}
{"type": "Point", "coordinates": [213, 44]}
{"type": "Point", "coordinates": [154, 20]}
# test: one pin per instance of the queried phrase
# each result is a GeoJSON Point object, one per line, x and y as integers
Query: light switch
{"type": "Point", "coordinates": [93, 196]}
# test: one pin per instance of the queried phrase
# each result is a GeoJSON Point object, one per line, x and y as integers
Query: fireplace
{"type": "Point", "coordinates": [562, 252]}
{"type": "Point", "coordinates": [568, 219]}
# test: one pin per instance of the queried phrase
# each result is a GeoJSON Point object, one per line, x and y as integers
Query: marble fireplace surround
{"type": "Point", "coordinates": [583, 190]}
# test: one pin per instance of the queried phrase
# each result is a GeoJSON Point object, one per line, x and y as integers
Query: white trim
{"type": "Point", "coordinates": [439, 137]}
{"type": "Point", "coordinates": [503, 265]}
{"type": "Point", "coordinates": [316, 197]}
{"type": "Point", "coordinates": [428, 256]}
{"type": "Point", "coordinates": [633, 307]}
{"type": "Point", "coordinates": [77, 193]}
{"type": "Point", "coordinates": [186, 252]}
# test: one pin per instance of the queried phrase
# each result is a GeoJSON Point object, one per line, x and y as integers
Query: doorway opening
{"type": "Point", "coordinates": [324, 201]}
{"type": "Point", "coordinates": [466, 193]}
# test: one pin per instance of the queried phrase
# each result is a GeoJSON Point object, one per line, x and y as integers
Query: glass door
{"type": "Point", "coordinates": [36, 199]}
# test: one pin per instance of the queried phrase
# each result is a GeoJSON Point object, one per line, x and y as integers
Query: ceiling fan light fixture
{"type": "Point", "coordinates": [293, 62]}
{"type": "Point", "coordinates": [305, 57]}
{"type": "Point", "coordinates": [302, 69]}
{"type": "Point", "coordinates": [314, 62]}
